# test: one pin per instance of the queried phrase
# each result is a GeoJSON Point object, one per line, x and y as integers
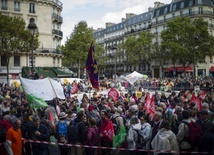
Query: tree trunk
{"type": "Point", "coordinates": [7, 64]}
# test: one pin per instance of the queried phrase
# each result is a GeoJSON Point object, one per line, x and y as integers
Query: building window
{"type": "Point", "coordinates": [156, 20]}
{"type": "Point", "coordinates": [200, 2]}
{"type": "Point", "coordinates": [165, 10]}
{"type": "Point", "coordinates": [164, 18]}
{"type": "Point", "coordinates": [190, 12]}
{"type": "Point", "coordinates": [157, 12]}
{"type": "Point", "coordinates": [16, 5]}
{"type": "Point", "coordinates": [174, 7]}
{"type": "Point", "coordinates": [182, 5]}
{"type": "Point", "coordinates": [181, 13]}
{"type": "Point", "coordinates": [58, 60]}
{"type": "Point", "coordinates": [191, 3]}
{"type": "Point", "coordinates": [200, 10]}
{"type": "Point", "coordinates": [3, 61]}
{"type": "Point", "coordinates": [32, 8]}
{"type": "Point", "coordinates": [4, 4]}
{"type": "Point", "coordinates": [16, 60]}
{"type": "Point", "coordinates": [54, 60]}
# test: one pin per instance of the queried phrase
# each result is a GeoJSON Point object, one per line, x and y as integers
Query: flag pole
{"type": "Point", "coordinates": [53, 89]}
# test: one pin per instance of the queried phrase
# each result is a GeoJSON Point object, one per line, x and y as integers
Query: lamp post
{"type": "Point", "coordinates": [32, 27]}
{"type": "Point", "coordinates": [194, 61]}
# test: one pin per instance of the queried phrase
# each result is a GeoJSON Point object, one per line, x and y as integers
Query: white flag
{"type": "Point", "coordinates": [43, 88]}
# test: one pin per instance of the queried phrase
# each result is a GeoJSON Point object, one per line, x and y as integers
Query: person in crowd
{"type": "Point", "coordinates": [183, 131]}
{"type": "Point", "coordinates": [117, 120]}
{"type": "Point", "coordinates": [62, 125]}
{"type": "Point", "coordinates": [132, 135]}
{"type": "Point", "coordinates": [207, 141]}
{"type": "Point", "coordinates": [80, 127]}
{"type": "Point", "coordinates": [145, 132]}
{"type": "Point", "coordinates": [13, 143]}
{"type": "Point", "coordinates": [5, 124]}
{"type": "Point", "coordinates": [204, 121]}
{"type": "Point", "coordinates": [92, 136]}
{"type": "Point", "coordinates": [39, 132]}
{"type": "Point", "coordinates": [157, 123]}
{"type": "Point", "coordinates": [165, 139]}
{"type": "Point", "coordinates": [106, 132]}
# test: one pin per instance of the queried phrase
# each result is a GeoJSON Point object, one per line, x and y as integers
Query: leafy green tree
{"type": "Point", "coordinates": [181, 38]}
{"type": "Point", "coordinates": [14, 39]}
{"type": "Point", "coordinates": [138, 49]}
{"type": "Point", "coordinates": [76, 47]}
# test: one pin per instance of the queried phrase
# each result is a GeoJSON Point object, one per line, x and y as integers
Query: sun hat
{"type": "Point", "coordinates": [62, 115]}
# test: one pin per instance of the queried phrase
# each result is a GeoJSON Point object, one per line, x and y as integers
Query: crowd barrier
{"type": "Point", "coordinates": [112, 148]}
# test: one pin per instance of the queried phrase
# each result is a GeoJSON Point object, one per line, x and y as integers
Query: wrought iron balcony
{"type": "Point", "coordinates": [57, 17]}
{"type": "Point", "coordinates": [57, 32]}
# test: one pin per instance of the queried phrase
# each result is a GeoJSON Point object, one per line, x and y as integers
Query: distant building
{"type": "Point", "coordinates": [47, 15]}
{"type": "Point", "coordinates": [153, 20]}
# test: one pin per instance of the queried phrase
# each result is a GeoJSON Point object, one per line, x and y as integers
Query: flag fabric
{"type": "Point", "coordinates": [113, 94]}
{"type": "Point", "coordinates": [1, 98]}
{"type": "Point", "coordinates": [91, 68]}
{"type": "Point", "coordinates": [35, 102]}
{"type": "Point", "coordinates": [197, 101]}
{"type": "Point", "coordinates": [74, 89]}
{"type": "Point", "coordinates": [46, 88]}
{"type": "Point", "coordinates": [150, 104]}
{"type": "Point", "coordinates": [119, 139]}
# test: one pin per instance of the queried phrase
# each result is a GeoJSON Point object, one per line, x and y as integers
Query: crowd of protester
{"type": "Point", "coordinates": [95, 120]}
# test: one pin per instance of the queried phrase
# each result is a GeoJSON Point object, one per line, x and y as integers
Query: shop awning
{"type": "Point", "coordinates": [212, 69]}
{"type": "Point", "coordinates": [178, 69]}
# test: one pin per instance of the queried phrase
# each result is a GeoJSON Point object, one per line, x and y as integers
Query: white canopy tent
{"type": "Point", "coordinates": [133, 77]}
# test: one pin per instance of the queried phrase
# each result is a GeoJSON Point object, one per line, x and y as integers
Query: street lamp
{"type": "Point", "coordinates": [32, 27]}
{"type": "Point", "coordinates": [194, 61]}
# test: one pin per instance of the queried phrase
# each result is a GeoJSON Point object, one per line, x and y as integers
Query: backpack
{"type": "Point", "coordinates": [73, 132]}
{"type": "Point", "coordinates": [2, 134]}
{"type": "Point", "coordinates": [195, 134]}
{"type": "Point", "coordinates": [62, 128]}
{"type": "Point", "coordinates": [140, 142]}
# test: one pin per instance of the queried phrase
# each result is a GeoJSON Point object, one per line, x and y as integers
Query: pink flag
{"type": "Point", "coordinates": [152, 107]}
{"type": "Point", "coordinates": [203, 95]}
{"type": "Point", "coordinates": [148, 101]}
{"type": "Point", "coordinates": [113, 94]}
{"type": "Point", "coordinates": [75, 88]}
{"type": "Point", "coordinates": [197, 101]}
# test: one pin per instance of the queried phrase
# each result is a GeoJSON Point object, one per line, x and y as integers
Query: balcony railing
{"type": "Point", "coordinates": [57, 32]}
{"type": "Point", "coordinates": [4, 8]}
{"type": "Point", "coordinates": [57, 2]}
{"type": "Point", "coordinates": [57, 17]}
{"type": "Point", "coordinates": [17, 9]}
{"type": "Point", "coordinates": [48, 50]}
{"type": "Point", "coordinates": [190, 14]}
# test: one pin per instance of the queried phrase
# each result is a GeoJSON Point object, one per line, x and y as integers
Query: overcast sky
{"type": "Point", "coordinates": [98, 12]}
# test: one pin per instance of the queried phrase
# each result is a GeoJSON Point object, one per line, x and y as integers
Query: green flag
{"type": "Point", "coordinates": [1, 98]}
{"type": "Point", "coordinates": [77, 109]}
{"type": "Point", "coordinates": [35, 102]}
{"type": "Point", "coordinates": [120, 138]}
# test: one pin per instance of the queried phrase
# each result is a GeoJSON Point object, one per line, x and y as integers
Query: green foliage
{"type": "Point", "coordinates": [179, 40]}
{"type": "Point", "coordinates": [75, 50]}
{"type": "Point", "coordinates": [14, 37]}
{"type": "Point", "coordinates": [139, 48]}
